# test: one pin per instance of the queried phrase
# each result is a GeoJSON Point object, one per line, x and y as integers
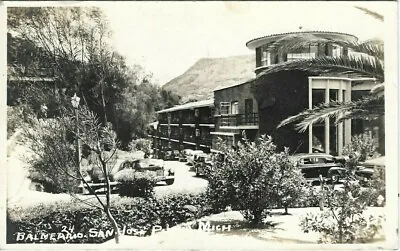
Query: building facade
{"type": "Point", "coordinates": [257, 106]}
{"type": "Point", "coordinates": [186, 126]}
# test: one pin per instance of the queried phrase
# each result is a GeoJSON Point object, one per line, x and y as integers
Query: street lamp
{"type": "Point", "coordinates": [75, 103]}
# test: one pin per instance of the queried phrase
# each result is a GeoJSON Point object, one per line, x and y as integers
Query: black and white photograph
{"type": "Point", "coordinates": [190, 125]}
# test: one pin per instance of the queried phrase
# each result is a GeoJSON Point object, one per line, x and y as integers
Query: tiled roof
{"type": "Point", "coordinates": [191, 105]}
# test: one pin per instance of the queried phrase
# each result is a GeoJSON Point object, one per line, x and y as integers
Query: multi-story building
{"type": "Point", "coordinates": [271, 98]}
{"type": "Point", "coordinates": [186, 126]}
{"type": "Point", "coordinates": [236, 112]}
{"type": "Point", "coordinates": [257, 106]}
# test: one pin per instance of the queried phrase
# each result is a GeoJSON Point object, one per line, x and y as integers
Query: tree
{"type": "Point", "coordinates": [252, 179]}
{"type": "Point", "coordinates": [74, 43]}
{"type": "Point", "coordinates": [366, 62]}
{"type": "Point", "coordinates": [291, 184]}
{"type": "Point", "coordinates": [55, 158]}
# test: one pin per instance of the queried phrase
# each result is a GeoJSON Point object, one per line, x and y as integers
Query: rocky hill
{"type": "Point", "coordinates": [207, 74]}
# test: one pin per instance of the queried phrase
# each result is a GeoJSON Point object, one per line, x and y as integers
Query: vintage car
{"type": "Point", "coordinates": [169, 154]}
{"type": "Point", "coordinates": [153, 165]}
{"type": "Point", "coordinates": [190, 157]}
{"type": "Point", "coordinates": [183, 154]}
{"type": "Point", "coordinates": [202, 164]}
{"type": "Point", "coordinates": [312, 165]}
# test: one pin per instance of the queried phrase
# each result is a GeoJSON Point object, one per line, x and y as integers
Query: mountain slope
{"type": "Point", "coordinates": [207, 74]}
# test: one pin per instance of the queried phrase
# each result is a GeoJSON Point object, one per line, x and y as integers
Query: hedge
{"type": "Point", "coordinates": [69, 222]}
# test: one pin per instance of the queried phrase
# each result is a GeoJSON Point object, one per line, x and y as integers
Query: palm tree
{"type": "Point", "coordinates": [365, 59]}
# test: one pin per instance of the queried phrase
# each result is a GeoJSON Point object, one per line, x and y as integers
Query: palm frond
{"type": "Point", "coordinates": [352, 66]}
{"type": "Point", "coordinates": [367, 108]}
{"type": "Point", "coordinates": [371, 13]}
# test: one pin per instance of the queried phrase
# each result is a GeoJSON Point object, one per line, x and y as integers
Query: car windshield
{"type": "Point", "coordinates": [317, 160]}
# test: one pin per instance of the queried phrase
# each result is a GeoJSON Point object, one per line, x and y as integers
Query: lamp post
{"type": "Point", "coordinates": [75, 103]}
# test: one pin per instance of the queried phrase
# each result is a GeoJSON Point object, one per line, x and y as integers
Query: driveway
{"type": "Point", "coordinates": [20, 195]}
{"type": "Point", "coordinates": [185, 180]}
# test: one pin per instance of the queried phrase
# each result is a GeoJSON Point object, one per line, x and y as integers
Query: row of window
{"type": "Point", "coordinates": [229, 108]}
{"type": "Point", "coordinates": [268, 58]}
{"type": "Point", "coordinates": [232, 107]}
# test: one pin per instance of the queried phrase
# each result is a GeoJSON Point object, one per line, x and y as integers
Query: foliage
{"type": "Point", "coordinates": [362, 147]}
{"type": "Point", "coordinates": [291, 184]}
{"type": "Point", "coordinates": [141, 144]}
{"type": "Point", "coordinates": [137, 106]}
{"type": "Point", "coordinates": [56, 158]}
{"type": "Point", "coordinates": [15, 119]}
{"type": "Point", "coordinates": [368, 108]}
{"type": "Point", "coordinates": [72, 43]}
{"type": "Point", "coordinates": [366, 61]}
{"type": "Point", "coordinates": [53, 142]}
{"type": "Point", "coordinates": [135, 184]}
{"type": "Point", "coordinates": [378, 186]}
{"type": "Point", "coordinates": [344, 220]}
{"type": "Point", "coordinates": [136, 213]}
{"type": "Point", "coordinates": [253, 178]}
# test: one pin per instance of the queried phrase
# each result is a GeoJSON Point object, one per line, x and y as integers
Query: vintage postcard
{"type": "Point", "coordinates": [200, 125]}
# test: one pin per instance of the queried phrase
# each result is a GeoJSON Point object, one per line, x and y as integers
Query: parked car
{"type": "Point", "coordinates": [202, 164]}
{"type": "Point", "coordinates": [153, 165]}
{"type": "Point", "coordinates": [183, 154]}
{"type": "Point", "coordinates": [170, 154]}
{"type": "Point", "coordinates": [191, 155]}
{"type": "Point", "coordinates": [312, 165]}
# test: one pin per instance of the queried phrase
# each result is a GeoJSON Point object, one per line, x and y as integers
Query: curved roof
{"type": "Point", "coordinates": [256, 42]}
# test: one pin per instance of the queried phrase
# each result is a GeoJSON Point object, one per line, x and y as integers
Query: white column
{"type": "Point", "coordinates": [327, 119]}
{"type": "Point", "coordinates": [347, 123]}
{"type": "Point", "coordinates": [310, 135]}
{"type": "Point", "coordinates": [340, 125]}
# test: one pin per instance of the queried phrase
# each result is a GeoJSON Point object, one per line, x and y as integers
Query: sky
{"type": "Point", "coordinates": [166, 38]}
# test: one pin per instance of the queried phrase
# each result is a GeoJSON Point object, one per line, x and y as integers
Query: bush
{"type": "Point", "coordinates": [144, 145]}
{"type": "Point", "coordinates": [254, 178]}
{"type": "Point", "coordinates": [135, 184]}
{"type": "Point", "coordinates": [344, 220]}
{"type": "Point", "coordinates": [139, 214]}
{"type": "Point", "coordinates": [377, 187]}
{"type": "Point", "coordinates": [362, 147]}
{"type": "Point", "coordinates": [15, 119]}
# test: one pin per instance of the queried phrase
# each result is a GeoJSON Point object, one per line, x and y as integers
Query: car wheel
{"type": "Point", "coordinates": [170, 181]}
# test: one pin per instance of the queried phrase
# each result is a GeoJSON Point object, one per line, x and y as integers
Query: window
{"type": "Point", "coordinates": [266, 58]}
{"type": "Point", "coordinates": [337, 51]}
{"type": "Point", "coordinates": [296, 56]}
{"type": "Point", "coordinates": [235, 107]}
{"type": "Point", "coordinates": [225, 107]}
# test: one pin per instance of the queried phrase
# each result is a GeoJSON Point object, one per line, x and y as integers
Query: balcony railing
{"type": "Point", "coordinates": [206, 141]}
{"type": "Point", "coordinates": [188, 119]}
{"type": "Point", "coordinates": [250, 119]}
{"type": "Point", "coordinates": [207, 120]}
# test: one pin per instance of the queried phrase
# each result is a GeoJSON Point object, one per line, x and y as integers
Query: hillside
{"type": "Point", "coordinates": [207, 74]}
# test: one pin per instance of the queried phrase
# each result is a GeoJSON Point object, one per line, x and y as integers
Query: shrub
{"type": "Point", "coordinates": [291, 185]}
{"type": "Point", "coordinates": [253, 178]}
{"type": "Point", "coordinates": [139, 214]}
{"type": "Point", "coordinates": [144, 145]}
{"type": "Point", "coordinates": [135, 184]}
{"type": "Point", "coordinates": [15, 119]}
{"type": "Point", "coordinates": [344, 220]}
{"type": "Point", "coordinates": [362, 147]}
